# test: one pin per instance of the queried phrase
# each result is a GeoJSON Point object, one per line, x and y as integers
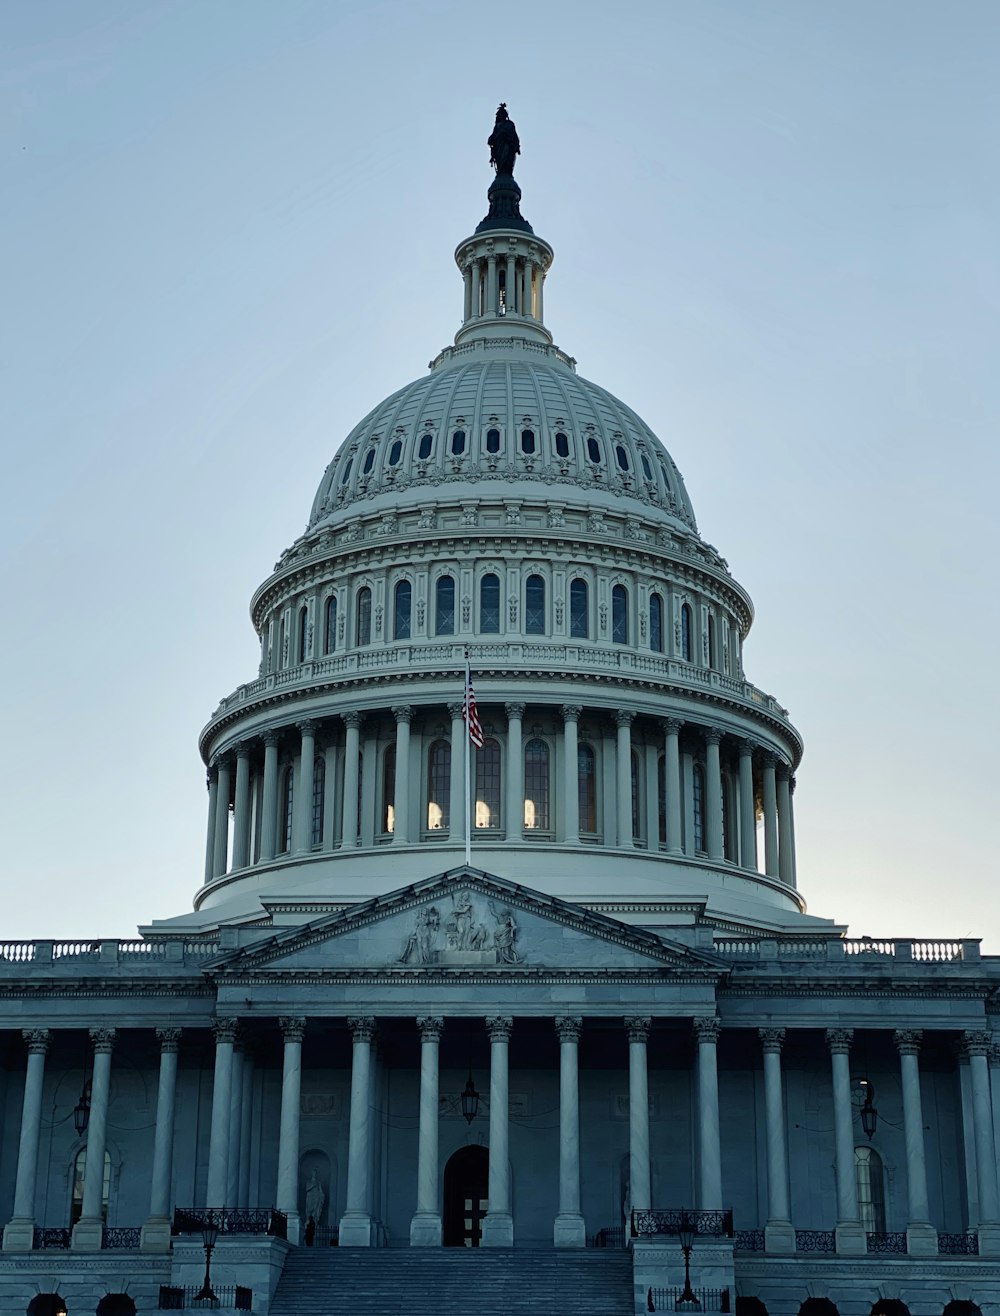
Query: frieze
{"type": "Point", "coordinates": [465, 934]}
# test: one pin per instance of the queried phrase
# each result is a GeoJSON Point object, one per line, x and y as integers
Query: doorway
{"type": "Point", "coordinates": [466, 1189]}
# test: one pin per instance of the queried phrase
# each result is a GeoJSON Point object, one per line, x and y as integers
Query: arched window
{"type": "Point", "coordinates": [698, 800]}
{"type": "Point", "coordinates": [619, 615]}
{"type": "Point", "coordinates": [711, 642]}
{"type": "Point", "coordinates": [363, 627]}
{"type": "Point", "coordinates": [79, 1174]}
{"type": "Point", "coordinates": [424, 448]}
{"type": "Point", "coordinates": [635, 795]}
{"type": "Point", "coordinates": [389, 790]}
{"type": "Point", "coordinates": [871, 1189]}
{"type": "Point", "coordinates": [594, 450]}
{"type": "Point", "coordinates": [402, 602]}
{"type": "Point", "coordinates": [586, 779]}
{"type": "Point", "coordinates": [493, 441]}
{"type": "Point", "coordinates": [579, 611]}
{"type": "Point", "coordinates": [489, 605]}
{"type": "Point", "coordinates": [750, 1307]}
{"type": "Point", "coordinates": [303, 633]}
{"type": "Point", "coordinates": [562, 444]}
{"type": "Point", "coordinates": [656, 623]}
{"type": "Point", "coordinates": [962, 1307]}
{"type": "Point", "coordinates": [647, 470]}
{"type": "Point", "coordinates": [458, 443]}
{"type": "Point", "coordinates": [621, 456]}
{"type": "Point", "coordinates": [287, 793]}
{"type": "Point", "coordinates": [330, 627]}
{"type": "Point", "coordinates": [686, 632]}
{"type": "Point", "coordinates": [818, 1307]}
{"type": "Point", "coordinates": [536, 786]}
{"type": "Point", "coordinates": [369, 461]}
{"type": "Point", "coordinates": [488, 785]}
{"type": "Point", "coordinates": [444, 602]}
{"type": "Point", "coordinates": [534, 606]}
{"type": "Point", "coordinates": [318, 799]}
{"type": "Point", "coordinates": [661, 798]}
{"type": "Point", "coordinates": [116, 1304]}
{"type": "Point", "coordinates": [282, 656]}
{"type": "Point", "coordinates": [439, 786]}
{"type": "Point", "coordinates": [347, 471]}
{"type": "Point", "coordinates": [395, 453]}
{"type": "Point", "coordinates": [889, 1307]}
{"type": "Point", "coordinates": [528, 442]}
{"type": "Point", "coordinates": [47, 1304]}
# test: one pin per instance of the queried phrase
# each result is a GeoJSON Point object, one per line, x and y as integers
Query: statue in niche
{"type": "Point", "coordinates": [505, 936]}
{"type": "Point", "coordinates": [315, 1199]}
{"type": "Point", "coordinates": [503, 142]}
{"type": "Point", "coordinates": [421, 944]}
{"type": "Point", "coordinates": [461, 930]}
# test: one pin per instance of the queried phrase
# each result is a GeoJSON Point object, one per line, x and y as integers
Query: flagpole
{"type": "Point", "coordinates": [468, 762]}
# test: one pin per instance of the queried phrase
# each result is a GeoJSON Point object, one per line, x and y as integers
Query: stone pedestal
{"type": "Point", "coordinates": [425, 1229]}
{"type": "Point", "coordinates": [498, 1230]}
{"type": "Point", "coordinates": [851, 1239]}
{"type": "Point", "coordinates": [355, 1229]}
{"type": "Point", "coordinates": [19, 1236]}
{"type": "Point", "coordinates": [989, 1240]}
{"type": "Point", "coordinates": [569, 1230]}
{"type": "Point", "coordinates": [155, 1235]}
{"type": "Point", "coordinates": [921, 1241]}
{"type": "Point", "coordinates": [294, 1227]}
{"type": "Point", "coordinates": [779, 1236]}
{"type": "Point", "coordinates": [87, 1235]}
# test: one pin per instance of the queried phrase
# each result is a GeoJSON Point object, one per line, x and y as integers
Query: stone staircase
{"type": "Point", "coordinates": [454, 1282]}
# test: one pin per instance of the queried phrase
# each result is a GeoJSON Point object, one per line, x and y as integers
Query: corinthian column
{"type": "Point", "coordinates": [403, 714]}
{"type": "Point", "coordinates": [425, 1227]}
{"type": "Point", "coordinates": [977, 1046]}
{"type": "Point", "coordinates": [623, 756]}
{"type": "Point", "coordinates": [779, 1236]}
{"type": "Point", "coordinates": [241, 808]}
{"type": "Point", "coordinates": [713, 793]}
{"type": "Point", "coordinates": [302, 802]}
{"type": "Point", "coordinates": [498, 1224]}
{"type": "Point", "coordinates": [569, 1230]}
{"type": "Point", "coordinates": [638, 1113]}
{"type": "Point", "coordinates": [709, 1145]}
{"type": "Point", "coordinates": [88, 1230]}
{"type": "Point", "coordinates": [571, 775]}
{"type": "Point", "coordinates": [352, 747]}
{"type": "Point", "coordinates": [212, 781]}
{"type": "Point", "coordinates": [672, 780]}
{"type": "Point", "coordinates": [786, 863]}
{"type": "Point", "coordinates": [269, 808]}
{"type": "Point", "coordinates": [850, 1234]}
{"type": "Point", "coordinates": [515, 772]}
{"type": "Point", "coordinates": [748, 809]}
{"type": "Point", "coordinates": [19, 1234]}
{"type": "Point", "coordinates": [218, 1145]}
{"type": "Point", "coordinates": [155, 1235]}
{"type": "Point", "coordinates": [458, 784]}
{"type": "Point", "coordinates": [287, 1199]}
{"type": "Point", "coordinates": [921, 1236]}
{"type": "Point", "coordinates": [356, 1222]}
{"type": "Point", "coordinates": [770, 817]}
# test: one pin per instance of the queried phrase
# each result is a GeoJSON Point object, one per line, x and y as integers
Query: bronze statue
{"type": "Point", "coordinates": [503, 142]}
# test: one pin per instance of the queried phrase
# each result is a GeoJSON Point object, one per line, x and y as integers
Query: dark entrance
{"type": "Point", "coordinates": [466, 1187]}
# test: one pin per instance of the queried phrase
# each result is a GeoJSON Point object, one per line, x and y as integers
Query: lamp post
{"type": "Point", "coordinates": [869, 1115]}
{"type": "Point", "coordinates": [81, 1111]}
{"type": "Point", "coordinates": [209, 1237]}
{"type": "Point", "coordinates": [470, 1100]}
{"type": "Point", "coordinates": [687, 1301]}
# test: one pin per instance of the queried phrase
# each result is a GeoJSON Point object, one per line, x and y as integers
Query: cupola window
{"type": "Point", "coordinates": [444, 599]}
{"type": "Point", "coordinates": [647, 470]}
{"type": "Point", "coordinates": [587, 788]}
{"type": "Point", "coordinates": [439, 786]}
{"type": "Point", "coordinates": [287, 803]}
{"type": "Point", "coordinates": [666, 475]}
{"type": "Point", "coordinates": [656, 623]}
{"type": "Point", "coordinates": [488, 785]}
{"type": "Point", "coordinates": [536, 786]}
{"type": "Point", "coordinates": [635, 795]}
{"type": "Point", "coordinates": [686, 629]}
{"type": "Point", "coordinates": [489, 605]}
{"type": "Point", "coordinates": [458, 443]}
{"type": "Point", "coordinates": [369, 461]}
{"type": "Point", "coordinates": [562, 444]}
{"type": "Point", "coordinates": [619, 615]}
{"type": "Point", "coordinates": [594, 451]}
{"type": "Point", "coordinates": [493, 441]}
{"type": "Point", "coordinates": [395, 452]}
{"type": "Point", "coordinates": [402, 602]}
{"type": "Point", "coordinates": [579, 611]}
{"type": "Point", "coordinates": [711, 641]}
{"type": "Point", "coordinates": [698, 803]}
{"type": "Point", "coordinates": [426, 443]}
{"type": "Point", "coordinates": [534, 606]}
{"type": "Point", "coordinates": [318, 799]}
{"type": "Point", "coordinates": [303, 633]}
{"type": "Point", "coordinates": [363, 627]}
{"type": "Point", "coordinates": [621, 456]}
{"type": "Point", "coordinates": [528, 442]}
{"type": "Point", "coordinates": [331, 624]}
{"type": "Point", "coordinates": [661, 797]}
{"type": "Point", "coordinates": [347, 471]}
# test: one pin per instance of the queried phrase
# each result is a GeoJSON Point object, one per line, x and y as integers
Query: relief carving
{"type": "Point", "coordinates": [464, 936]}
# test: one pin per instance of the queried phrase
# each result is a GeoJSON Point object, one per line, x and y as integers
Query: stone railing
{"type": "Point", "coordinates": [14, 954]}
{"type": "Point", "coordinates": [859, 949]}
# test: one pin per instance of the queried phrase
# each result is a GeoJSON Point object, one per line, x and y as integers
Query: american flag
{"type": "Point", "coordinates": [471, 713]}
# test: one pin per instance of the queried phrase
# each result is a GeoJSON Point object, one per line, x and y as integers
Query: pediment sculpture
{"type": "Point", "coordinates": [474, 931]}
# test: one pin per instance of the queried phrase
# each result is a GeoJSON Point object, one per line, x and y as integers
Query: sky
{"type": "Point", "coordinates": [227, 232]}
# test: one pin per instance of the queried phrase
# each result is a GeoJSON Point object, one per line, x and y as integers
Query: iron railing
{"type": "Point", "coordinates": [696, 1300]}
{"type": "Point", "coordinates": [610, 1236]}
{"type": "Point", "coordinates": [320, 1235]}
{"type": "Point", "coordinates": [232, 1297]}
{"type": "Point", "coordinates": [716, 1224]}
{"type": "Point", "coordinates": [815, 1240]}
{"type": "Point", "coordinates": [51, 1237]}
{"type": "Point", "coordinates": [894, 1242]}
{"type": "Point", "coordinates": [118, 1236]}
{"type": "Point", "coordinates": [748, 1240]}
{"type": "Point", "coordinates": [231, 1220]}
{"type": "Point", "coordinates": [958, 1245]}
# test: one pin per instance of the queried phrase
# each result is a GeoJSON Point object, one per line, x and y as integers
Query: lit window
{"type": "Point", "coordinates": [489, 605]}
{"type": "Point", "coordinates": [444, 618]}
{"type": "Point", "coordinates": [534, 606]}
{"type": "Point", "coordinates": [656, 623]}
{"type": "Point", "coordinates": [686, 633]}
{"type": "Point", "coordinates": [528, 442]}
{"type": "Point", "coordinates": [401, 610]}
{"type": "Point", "coordinates": [331, 623]}
{"type": "Point", "coordinates": [426, 443]}
{"type": "Point", "coordinates": [871, 1189]}
{"type": "Point", "coordinates": [439, 786]}
{"type": "Point", "coordinates": [389, 790]}
{"type": "Point", "coordinates": [458, 443]}
{"type": "Point", "coordinates": [619, 615]}
{"type": "Point", "coordinates": [579, 611]}
{"type": "Point", "coordinates": [319, 796]}
{"type": "Point", "coordinates": [364, 617]}
{"type": "Point", "coordinates": [536, 785]}
{"type": "Point", "coordinates": [488, 785]}
{"type": "Point", "coordinates": [587, 787]}
{"type": "Point", "coordinates": [562, 444]}
{"type": "Point", "coordinates": [493, 441]}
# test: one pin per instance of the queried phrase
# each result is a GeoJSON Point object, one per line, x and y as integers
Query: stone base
{"type": "Point", "coordinates": [155, 1236]}
{"type": "Point", "coordinates": [569, 1230]}
{"type": "Point", "coordinates": [294, 1234]}
{"type": "Point", "coordinates": [921, 1241]}
{"type": "Point", "coordinates": [19, 1236]}
{"type": "Point", "coordinates": [425, 1229]}
{"type": "Point", "coordinates": [989, 1239]}
{"type": "Point", "coordinates": [355, 1230]}
{"type": "Point", "coordinates": [851, 1239]}
{"type": "Point", "coordinates": [87, 1236]}
{"type": "Point", "coordinates": [498, 1230]}
{"type": "Point", "coordinates": [779, 1236]}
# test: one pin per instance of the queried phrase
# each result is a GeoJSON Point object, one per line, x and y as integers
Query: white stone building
{"type": "Point", "coordinates": [554, 1005]}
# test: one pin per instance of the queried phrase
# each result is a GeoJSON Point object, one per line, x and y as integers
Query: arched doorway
{"type": "Point", "coordinates": [889, 1307]}
{"type": "Point", "coordinates": [962, 1307]}
{"type": "Point", "coordinates": [116, 1304]}
{"type": "Point", "coordinates": [818, 1307]}
{"type": "Point", "coordinates": [750, 1307]}
{"type": "Point", "coordinates": [466, 1189]}
{"type": "Point", "coordinates": [47, 1304]}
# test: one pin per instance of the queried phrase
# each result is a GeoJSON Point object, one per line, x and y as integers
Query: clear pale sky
{"type": "Point", "coordinates": [227, 232]}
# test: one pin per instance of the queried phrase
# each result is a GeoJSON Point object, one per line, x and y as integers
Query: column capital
{"type": "Point", "coordinates": [403, 713]}
{"type": "Point", "coordinates": [746, 746]}
{"type": "Point", "coordinates": [623, 717]}
{"type": "Point", "coordinates": [771, 1040]}
{"type": "Point", "coordinates": [169, 1039]}
{"type": "Point", "coordinates": [270, 737]}
{"type": "Point", "coordinates": [103, 1040]}
{"type": "Point", "coordinates": [243, 749]}
{"type": "Point", "coordinates": [976, 1043]}
{"type": "Point", "coordinates": [571, 712]}
{"type": "Point", "coordinates": [792, 783]}
{"type": "Point", "coordinates": [211, 775]}
{"type": "Point", "coordinates": [839, 1040]}
{"type": "Point", "coordinates": [223, 761]}
{"type": "Point", "coordinates": [783, 771]}
{"type": "Point", "coordinates": [707, 1029]}
{"type": "Point", "coordinates": [637, 1027]}
{"type": "Point", "coordinates": [995, 1054]}
{"type": "Point", "coordinates": [713, 735]}
{"type": "Point", "coordinates": [456, 710]}
{"type": "Point", "coordinates": [768, 758]}
{"type": "Point", "coordinates": [431, 1027]}
{"type": "Point", "coordinates": [907, 1040]}
{"type": "Point", "coordinates": [514, 710]}
{"type": "Point", "coordinates": [362, 1027]}
{"type": "Point", "coordinates": [354, 719]}
{"type": "Point", "coordinates": [672, 726]}
{"type": "Point", "coordinates": [225, 1030]}
{"type": "Point", "coordinates": [308, 726]}
{"type": "Point", "coordinates": [498, 1026]}
{"type": "Point", "coordinates": [292, 1027]}
{"type": "Point", "coordinates": [568, 1027]}
{"type": "Point", "coordinates": [37, 1040]}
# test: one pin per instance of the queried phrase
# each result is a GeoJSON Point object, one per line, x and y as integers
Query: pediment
{"type": "Point", "coordinates": [464, 920]}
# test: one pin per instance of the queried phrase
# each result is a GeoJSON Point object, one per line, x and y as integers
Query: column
{"type": "Point", "coordinates": [456, 814]}
{"type": "Point", "coordinates": [235, 1130]}
{"type": "Point", "coordinates": [246, 1126]}
{"type": "Point", "coordinates": [791, 827]}
{"type": "Point", "coordinates": [155, 1235]}
{"type": "Point", "coordinates": [352, 747]}
{"type": "Point", "coordinates": [356, 1223]}
{"type": "Point", "coordinates": [491, 284]}
{"type": "Point", "coordinates": [672, 780]}
{"type": "Point", "coordinates": [515, 772]}
{"type": "Point", "coordinates": [638, 1116]}
{"type": "Point", "coordinates": [287, 1198]}
{"type": "Point", "coordinates": [995, 1094]}
{"type": "Point", "coordinates": [468, 290]}
{"type": "Point", "coordinates": [850, 1234]}
{"type": "Point", "coordinates": [569, 1230]}
{"type": "Point", "coordinates": [241, 810]}
{"type": "Point", "coordinates": [221, 858]}
{"type": "Point", "coordinates": [218, 1147]}
{"type": "Point", "coordinates": [498, 1224]}
{"type": "Point", "coordinates": [921, 1236]}
{"type": "Point", "coordinates": [88, 1230]}
{"type": "Point", "coordinates": [269, 808]}
{"type": "Point", "coordinates": [302, 802]}
{"type": "Point", "coordinates": [571, 774]}
{"type": "Point", "coordinates": [977, 1046]}
{"type": "Point", "coordinates": [403, 714]}
{"type": "Point", "coordinates": [541, 286]}
{"type": "Point", "coordinates": [779, 1236]}
{"type": "Point", "coordinates": [785, 866]}
{"type": "Point", "coordinates": [212, 781]}
{"type": "Point", "coordinates": [713, 793]}
{"type": "Point", "coordinates": [526, 307]}
{"type": "Point", "coordinates": [709, 1146]}
{"type": "Point", "coordinates": [425, 1227]}
{"type": "Point", "coordinates": [748, 808]}
{"type": "Point", "coordinates": [770, 818]}
{"type": "Point", "coordinates": [510, 279]}
{"type": "Point", "coordinates": [19, 1234]}
{"type": "Point", "coordinates": [623, 762]}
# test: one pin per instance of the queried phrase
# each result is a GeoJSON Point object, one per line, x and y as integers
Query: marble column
{"type": "Point", "coordinates": [356, 1222]}
{"type": "Point", "coordinates": [709, 1144]}
{"type": "Point", "coordinates": [88, 1230]}
{"type": "Point", "coordinates": [468, 289]}
{"type": "Point", "coordinates": [921, 1236]}
{"type": "Point", "coordinates": [225, 1031]}
{"type": "Point", "coordinates": [850, 1233]}
{"type": "Point", "coordinates": [569, 1229]}
{"type": "Point", "coordinates": [786, 869]}
{"type": "Point", "coordinates": [269, 808]}
{"type": "Point", "coordinates": [302, 802]}
{"type": "Point", "coordinates": [403, 713]}
{"type": "Point", "coordinates": [458, 785]}
{"type": "Point", "coordinates": [221, 859]}
{"type": "Point", "coordinates": [241, 808]}
{"type": "Point", "coordinates": [515, 771]}
{"type": "Point", "coordinates": [155, 1236]}
{"type": "Point", "coordinates": [491, 283]}
{"type": "Point", "coordinates": [19, 1234]}
{"type": "Point", "coordinates": [779, 1235]}
{"type": "Point", "coordinates": [352, 747]}
{"type": "Point", "coordinates": [425, 1227]}
{"type": "Point", "coordinates": [977, 1047]}
{"type": "Point", "coordinates": [713, 793]}
{"type": "Point", "coordinates": [571, 773]}
{"type": "Point", "coordinates": [287, 1198]}
{"type": "Point", "coordinates": [212, 781]}
{"type": "Point", "coordinates": [638, 1113]}
{"type": "Point", "coordinates": [498, 1224]}
{"type": "Point", "coordinates": [623, 763]}
{"type": "Point", "coordinates": [235, 1130]}
{"type": "Point", "coordinates": [672, 779]}
{"type": "Point", "coordinates": [770, 817]}
{"type": "Point", "coordinates": [748, 808]}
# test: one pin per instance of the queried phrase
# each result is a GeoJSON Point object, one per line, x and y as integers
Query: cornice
{"type": "Point", "coordinates": [437, 976]}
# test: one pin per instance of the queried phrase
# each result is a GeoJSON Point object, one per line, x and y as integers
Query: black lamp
{"type": "Point", "coordinates": [81, 1111]}
{"type": "Point", "coordinates": [688, 1300]}
{"type": "Point", "coordinates": [209, 1238]}
{"type": "Point", "coordinates": [869, 1115]}
{"type": "Point", "coordinates": [470, 1100]}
